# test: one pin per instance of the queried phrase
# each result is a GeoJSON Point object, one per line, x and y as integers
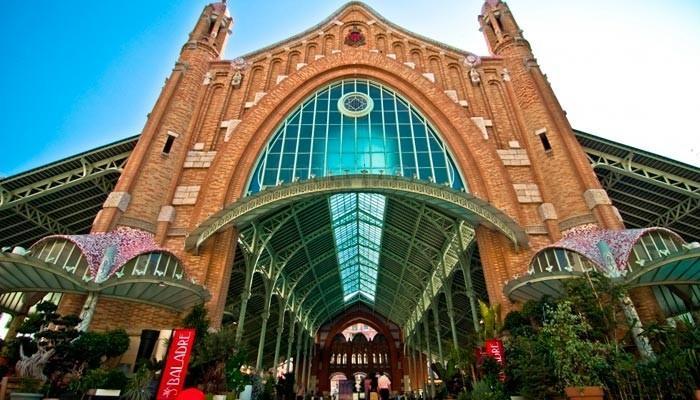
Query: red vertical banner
{"type": "Point", "coordinates": [494, 348]}
{"type": "Point", "coordinates": [175, 371]}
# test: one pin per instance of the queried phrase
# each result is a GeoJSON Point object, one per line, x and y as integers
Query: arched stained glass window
{"type": "Point", "coordinates": [351, 127]}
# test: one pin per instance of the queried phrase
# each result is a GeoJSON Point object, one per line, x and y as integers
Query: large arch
{"type": "Point", "coordinates": [462, 205]}
{"type": "Point", "coordinates": [237, 160]}
{"type": "Point", "coordinates": [360, 314]}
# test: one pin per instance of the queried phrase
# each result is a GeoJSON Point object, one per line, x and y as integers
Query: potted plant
{"type": "Point", "coordinates": [29, 389]}
{"type": "Point", "coordinates": [138, 386]}
{"type": "Point", "coordinates": [577, 362]}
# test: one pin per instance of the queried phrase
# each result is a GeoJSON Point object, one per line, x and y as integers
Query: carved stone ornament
{"type": "Point", "coordinates": [474, 75]}
{"type": "Point", "coordinates": [237, 78]}
{"type": "Point", "coordinates": [472, 60]}
{"type": "Point", "coordinates": [239, 64]}
{"type": "Point", "coordinates": [355, 37]}
{"type": "Point", "coordinates": [208, 78]}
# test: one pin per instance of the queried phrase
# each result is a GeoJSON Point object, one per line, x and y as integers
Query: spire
{"type": "Point", "coordinates": [213, 26]}
{"type": "Point", "coordinates": [499, 26]}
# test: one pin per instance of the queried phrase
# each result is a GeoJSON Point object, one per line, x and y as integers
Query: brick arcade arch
{"type": "Point", "coordinates": [480, 166]}
{"type": "Point", "coordinates": [358, 314]}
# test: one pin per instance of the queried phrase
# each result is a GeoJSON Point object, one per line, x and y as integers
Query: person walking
{"type": "Point", "coordinates": [384, 386]}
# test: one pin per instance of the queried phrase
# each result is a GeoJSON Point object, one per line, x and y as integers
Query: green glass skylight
{"type": "Point", "coordinates": [357, 220]}
{"type": "Point", "coordinates": [354, 126]}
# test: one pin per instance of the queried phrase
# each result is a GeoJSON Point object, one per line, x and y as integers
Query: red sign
{"type": "Point", "coordinates": [176, 364]}
{"type": "Point", "coordinates": [493, 348]}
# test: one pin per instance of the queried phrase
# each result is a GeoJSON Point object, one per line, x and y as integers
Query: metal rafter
{"type": "Point", "coordinates": [627, 166]}
{"type": "Point", "coordinates": [87, 171]}
{"type": "Point", "coordinates": [675, 213]}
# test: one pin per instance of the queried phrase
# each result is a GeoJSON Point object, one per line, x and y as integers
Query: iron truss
{"type": "Point", "coordinates": [647, 189]}
{"type": "Point", "coordinates": [65, 196]}
{"type": "Point", "coordinates": [61, 197]}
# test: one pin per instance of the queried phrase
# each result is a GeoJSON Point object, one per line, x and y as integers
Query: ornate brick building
{"type": "Point", "coordinates": [355, 172]}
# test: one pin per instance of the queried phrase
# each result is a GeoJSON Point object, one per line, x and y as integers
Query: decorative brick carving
{"type": "Point", "coordinates": [391, 55]}
{"type": "Point", "coordinates": [166, 214]}
{"type": "Point", "coordinates": [186, 195]}
{"type": "Point", "coordinates": [482, 124]}
{"type": "Point", "coordinates": [118, 200]}
{"type": "Point", "coordinates": [280, 78]}
{"type": "Point", "coordinates": [576, 221]}
{"type": "Point", "coordinates": [527, 192]}
{"type": "Point", "coordinates": [547, 211]}
{"type": "Point", "coordinates": [199, 159]}
{"type": "Point", "coordinates": [429, 76]}
{"type": "Point", "coordinates": [301, 65]}
{"type": "Point", "coordinates": [514, 157]}
{"type": "Point", "coordinates": [595, 197]}
{"type": "Point", "coordinates": [536, 230]}
{"type": "Point", "coordinates": [230, 126]}
{"type": "Point", "coordinates": [256, 99]}
{"type": "Point", "coordinates": [452, 94]}
{"type": "Point", "coordinates": [410, 65]}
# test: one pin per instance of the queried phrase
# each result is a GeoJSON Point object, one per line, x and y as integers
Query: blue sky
{"type": "Point", "coordinates": [78, 74]}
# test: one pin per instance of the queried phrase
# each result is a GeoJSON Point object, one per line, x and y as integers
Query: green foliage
{"type": "Point", "coordinates": [199, 320]}
{"type": "Point", "coordinates": [92, 348]}
{"type": "Point", "coordinates": [576, 361]}
{"type": "Point", "coordinates": [491, 316]}
{"type": "Point", "coordinates": [536, 310]}
{"type": "Point", "coordinates": [529, 367]}
{"type": "Point", "coordinates": [488, 389]}
{"type": "Point", "coordinates": [100, 379]}
{"type": "Point", "coordinates": [235, 379]}
{"type": "Point", "coordinates": [138, 386]}
{"type": "Point", "coordinates": [516, 324]}
{"type": "Point", "coordinates": [209, 362]}
{"type": "Point", "coordinates": [595, 297]}
{"type": "Point", "coordinates": [30, 385]}
{"type": "Point", "coordinates": [575, 341]}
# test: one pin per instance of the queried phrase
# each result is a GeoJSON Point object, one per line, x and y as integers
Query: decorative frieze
{"type": "Point", "coordinates": [256, 99]}
{"type": "Point", "coordinates": [514, 157]}
{"type": "Point", "coordinates": [185, 195]}
{"type": "Point", "coordinates": [166, 214]}
{"type": "Point", "coordinates": [596, 197]}
{"type": "Point", "coordinates": [118, 200]}
{"type": "Point", "coordinates": [547, 211]}
{"type": "Point", "coordinates": [230, 126]}
{"type": "Point", "coordinates": [199, 159]}
{"type": "Point", "coordinates": [483, 123]}
{"type": "Point", "coordinates": [527, 192]}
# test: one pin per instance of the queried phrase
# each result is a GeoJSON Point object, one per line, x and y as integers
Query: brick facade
{"type": "Point", "coordinates": [219, 114]}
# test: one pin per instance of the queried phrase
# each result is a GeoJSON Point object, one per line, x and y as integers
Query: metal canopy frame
{"type": "Point", "coordinates": [65, 196]}
{"type": "Point", "coordinates": [61, 197]}
{"type": "Point", "coordinates": [295, 253]}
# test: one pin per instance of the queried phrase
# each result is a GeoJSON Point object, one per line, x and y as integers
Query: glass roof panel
{"type": "Point", "coordinates": [357, 220]}
{"type": "Point", "coordinates": [320, 139]}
